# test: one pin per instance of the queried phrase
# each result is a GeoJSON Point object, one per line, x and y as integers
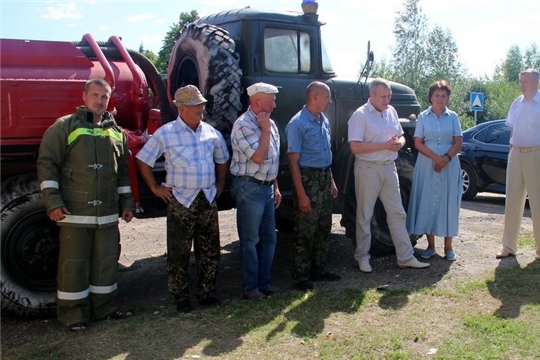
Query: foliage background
{"type": "Point", "coordinates": [423, 52]}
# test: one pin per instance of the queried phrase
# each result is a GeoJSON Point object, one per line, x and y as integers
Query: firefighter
{"type": "Point", "coordinates": [84, 179]}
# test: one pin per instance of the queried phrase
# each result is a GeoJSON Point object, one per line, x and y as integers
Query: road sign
{"type": "Point", "coordinates": [477, 101]}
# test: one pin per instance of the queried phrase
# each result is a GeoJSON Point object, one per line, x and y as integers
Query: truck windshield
{"type": "Point", "coordinates": [291, 51]}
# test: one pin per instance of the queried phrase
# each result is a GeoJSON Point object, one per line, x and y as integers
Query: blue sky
{"type": "Point", "coordinates": [484, 30]}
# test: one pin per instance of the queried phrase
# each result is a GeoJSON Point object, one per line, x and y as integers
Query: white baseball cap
{"type": "Point", "coordinates": [261, 87]}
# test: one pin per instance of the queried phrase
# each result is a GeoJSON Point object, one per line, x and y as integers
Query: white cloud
{"type": "Point", "coordinates": [60, 11]}
{"type": "Point", "coordinates": [140, 17]}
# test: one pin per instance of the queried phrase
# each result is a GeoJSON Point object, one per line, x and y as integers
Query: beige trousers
{"type": "Point", "coordinates": [522, 178]}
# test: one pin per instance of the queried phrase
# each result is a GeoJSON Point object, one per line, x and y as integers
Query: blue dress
{"type": "Point", "coordinates": [436, 197]}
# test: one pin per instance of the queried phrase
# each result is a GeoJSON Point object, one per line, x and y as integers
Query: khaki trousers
{"type": "Point", "coordinates": [522, 178]}
{"type": "Point", "coordinates": [374, 181]}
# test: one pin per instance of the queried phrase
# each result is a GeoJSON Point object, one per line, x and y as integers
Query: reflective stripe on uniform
{"type": "Point", "coordinates": [90, 220]}
{"type": "Point", "coordinates": [124, 189]}
{"type": "Point", "coordinates": [64, 295]}
{"type": "Point", "coordinates": [103, 289]}
{"type": "Point", "coordinates": [49, 184]}
{"type": "Point", "coordinates": [94, 132]}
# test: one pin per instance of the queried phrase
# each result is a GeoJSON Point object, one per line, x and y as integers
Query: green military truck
{"type": "Point", "coordinates": [224, 53]}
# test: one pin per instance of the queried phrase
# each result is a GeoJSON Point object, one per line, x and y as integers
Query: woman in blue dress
{"type": "Point", "coordinates": [437, 185]}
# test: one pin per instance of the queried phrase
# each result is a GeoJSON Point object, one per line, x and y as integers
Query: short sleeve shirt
{"type": "Point", "coordinates": [369, 125]}
{"type": "Point", "coordinates": [309, 138]}
{"type": "Point", "coordinates": [524, 119]}
{"type": "Point", "coordinates": [245, 137]}
{"type": "Point", "coordinates": [190, 158]}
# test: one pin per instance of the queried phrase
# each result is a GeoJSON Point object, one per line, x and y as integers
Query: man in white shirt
{"type": "Point", "coordinates": [375, 137]}
{"type": "Point", "coordinates": [523, 164]}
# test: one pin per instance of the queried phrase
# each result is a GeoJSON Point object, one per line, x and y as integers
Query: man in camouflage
{"type": "Point", "coordinates": [196, 160]}
{"type": "Point", "coordinates": [310, 157]}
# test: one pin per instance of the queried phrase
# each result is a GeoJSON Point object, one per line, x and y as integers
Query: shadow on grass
{"type": "Point", "coordinates": [220, 331]}
{"type": "Point", "coordinates": [515, 286]}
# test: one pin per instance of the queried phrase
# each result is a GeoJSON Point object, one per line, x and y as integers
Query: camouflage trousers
{"type": "Point", "coordinates": [198, 226]}
{"type": "Point", "coordinates": [312, 230]}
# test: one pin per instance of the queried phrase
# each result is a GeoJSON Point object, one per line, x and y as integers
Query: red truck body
{"type": "Point", "coordinates": [41, 81]}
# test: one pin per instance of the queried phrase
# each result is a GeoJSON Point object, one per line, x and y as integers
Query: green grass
{"type": "Point", "coordinates": [527, 241]}
{"type": "Point", "coordinates": [494, 316]}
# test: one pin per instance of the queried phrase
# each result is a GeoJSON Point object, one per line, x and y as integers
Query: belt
{"type": "Point", "coordinates": [323, 170]}
{"type": "Point", "coordinates": [526, 149]}
{"type": "Point", "coordinates": [380, 162]}
{"type": "Point", "coordinates": [256, 181]}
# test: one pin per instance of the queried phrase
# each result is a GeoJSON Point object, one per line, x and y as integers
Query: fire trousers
{"type": "Point", "coordinates": [87, 274]}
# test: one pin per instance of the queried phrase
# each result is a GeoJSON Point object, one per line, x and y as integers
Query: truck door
{"type": "Point", "coordinates": [289, 61]}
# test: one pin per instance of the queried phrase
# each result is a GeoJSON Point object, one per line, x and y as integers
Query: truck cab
{"type": "Point", "coordinates": [286, 49]}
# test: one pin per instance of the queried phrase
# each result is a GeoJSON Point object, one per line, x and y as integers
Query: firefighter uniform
{"type": "Point", "coordinates": [83, 167]}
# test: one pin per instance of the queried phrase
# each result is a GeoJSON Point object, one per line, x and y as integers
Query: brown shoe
{"type": "Point", "coordinates": [503, 254]}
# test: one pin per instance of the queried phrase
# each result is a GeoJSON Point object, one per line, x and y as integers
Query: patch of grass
{"type": "Point", "coordinates": [471, 287]}
{"type": "Point", "coordinates": [527, 241]}
{"type": "Point", "coordinates": [491, 337]}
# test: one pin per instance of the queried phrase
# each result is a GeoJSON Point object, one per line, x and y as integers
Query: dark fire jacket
{"type": "Point", "coordinates": [84, 167]}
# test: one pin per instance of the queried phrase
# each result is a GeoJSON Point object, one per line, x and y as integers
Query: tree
{"type": "Point", "coordinates": [532, 57]}
{"type": "Point", "coordinates": [170, 38]}
{"type": "Point", "coordinates": [148, 53]}
{"type": "Point", "coordinates": [410, 28]}
{"type": "Point", "coordinates": [499, 97]}
{"type": "Point", "coordinates": [382, 68]}
{"type": "Point", "coordinates": [509, 69]}
{"type": "Point", "coordinates": [421, 55]}
{"type": "Point", "coordinates": [441, 61]}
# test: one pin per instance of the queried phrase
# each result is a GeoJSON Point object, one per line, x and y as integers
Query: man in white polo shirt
{"type": "Point", "coordinates": [375, 137]}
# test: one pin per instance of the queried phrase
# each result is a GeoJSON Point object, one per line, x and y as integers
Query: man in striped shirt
{"type": "Point", "coordinates": [254, 166]}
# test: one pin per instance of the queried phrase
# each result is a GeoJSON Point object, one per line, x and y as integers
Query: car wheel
{"type": "Point", "coordinates": [469, 182]}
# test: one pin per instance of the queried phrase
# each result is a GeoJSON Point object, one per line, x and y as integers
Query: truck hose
{"type": "Point", "coordinates": [154, 78]}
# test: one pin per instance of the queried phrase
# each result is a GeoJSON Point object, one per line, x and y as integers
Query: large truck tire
{"type": "Point", "coordinates": [204, 56]}
{"type": "Point", "coordinates": [29, 250]}
{"type": "Point", "coordinates": [381, 241]}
